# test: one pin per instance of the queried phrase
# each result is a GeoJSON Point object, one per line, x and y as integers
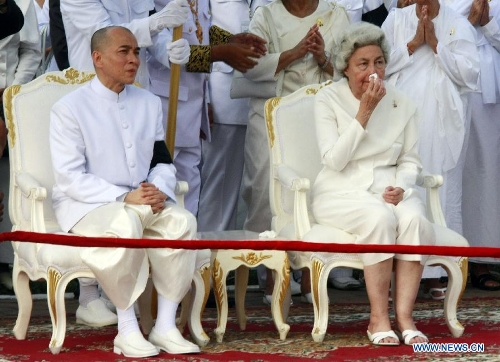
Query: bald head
{"type": "Point", "coordinates": [101, 38]}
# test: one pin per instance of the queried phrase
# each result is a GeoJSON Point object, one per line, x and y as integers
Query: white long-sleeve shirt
{"type": "Point", "coordinates": [102, 146]}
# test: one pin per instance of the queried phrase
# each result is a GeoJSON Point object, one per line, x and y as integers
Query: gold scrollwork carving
{"type": "Point", "coordinates": [8, 95]}
{"type": "Point", "coordinates": [286, 282]}
{"type": "Point", "coordinates": [270, 105]}
{"type": "Point", "coordinates": [316, 269]}
{"type": "Point", "coordinates": [217, 276]}
{"type": "Point", "coordinates": [53, 278]}
{"type": "Point", "coordinates": [71, 76]}
{"type": "Point", "coordinates": [252, 258]}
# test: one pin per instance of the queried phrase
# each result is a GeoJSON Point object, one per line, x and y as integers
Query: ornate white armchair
{"type": "Point", "coordinates": [295, 162]}
{"type": "Point", "coordinates": [27, 111]}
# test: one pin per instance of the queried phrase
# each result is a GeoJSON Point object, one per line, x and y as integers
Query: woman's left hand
{"type": "Point", "coordinates": [316, 44]}
{"type": "Point", "coordinates": [393, 195]}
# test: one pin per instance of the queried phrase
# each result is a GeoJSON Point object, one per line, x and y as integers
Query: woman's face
{"type": "Point", "coordinates": [363, 62]}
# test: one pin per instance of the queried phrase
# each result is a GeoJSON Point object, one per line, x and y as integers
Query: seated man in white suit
{"type": "Point", "coordinates": [115, 178]}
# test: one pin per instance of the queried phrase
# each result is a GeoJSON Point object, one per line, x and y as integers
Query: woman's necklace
{"type": "Point", "coordinates": [193, 4]}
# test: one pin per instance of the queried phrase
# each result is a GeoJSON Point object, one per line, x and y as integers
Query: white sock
{"type": "Point", "coordinates": [165, 320]}
{"type": "Point", "coordinates": [88, 293]}
{"type": "Point", "coordinates": [341, 273]}
{"type": "Point", "coordinates": [127, 321]}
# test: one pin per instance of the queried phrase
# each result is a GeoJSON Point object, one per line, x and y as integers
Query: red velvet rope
{"type": "Point", "coordinates": [263, 244]}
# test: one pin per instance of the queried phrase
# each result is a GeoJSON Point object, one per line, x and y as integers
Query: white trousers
{"type": "Point", "coordinates": [374, 221]}
{"type": "Point", "coordinates": [256, 176]}
{"type": "Point", "coordinates": [186, 162]}
{"type": "Point", "coordinates": [221, 176]}
{"type": "Point", "coordinates": [123, 272]}
{"type": "Point", "coordinates": [481, 194]}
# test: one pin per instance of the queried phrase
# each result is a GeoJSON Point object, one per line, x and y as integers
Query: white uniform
{"type": "Point", "coordinates": [481, 199]}
{"type": "Point", "coordinates": [192, 112]}
{"type": "Point", "coordinates": [19, 59]}
{"type": "Point", "coordinates": [356, 8]}
{"type": "Point", "coordinates": [223, 160]}
{"type": "Point", "coordinates": [83, 17]}
{"type": "Point", "coordinates": [91, 178]}
{"type": "Point", "coordinates": [20, 53]}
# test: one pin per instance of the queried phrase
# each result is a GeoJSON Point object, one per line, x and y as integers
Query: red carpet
{"type": "Point", "coordinates": [345, 341]}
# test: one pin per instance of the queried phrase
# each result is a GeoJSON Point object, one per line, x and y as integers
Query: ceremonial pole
{"type": "Point", "coordinates": [175, 74]}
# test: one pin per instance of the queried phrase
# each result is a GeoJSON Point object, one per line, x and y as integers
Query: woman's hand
{"type": "Point", "coordinates": [369, 100]}
{"type": "Point", "coordinates": [147, 194]}
{"type": "Point", "coordinates": [316, 44]}
{"type": "Point", "coordinates": [393, 195]}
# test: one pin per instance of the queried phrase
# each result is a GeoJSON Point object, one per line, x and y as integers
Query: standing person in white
{"type": "Point", "coordinates": [208, 44]}
{"type": "Point", "coordinates": [123, 191]}
{"type": "Point", "coordinates": [481, 198]}
{"type": "Point", "coordinates": [19, 59]}
{"type": "Point", "coordinates": [192, 115]}
{"type": "Point", "coordinates": [306, 31]}
{"type": "Point", "coordinates": [81, 19]}
{"type": "Point", "coordinates": [434, 59]}
{"type": "Point", "coordinates": [223, 161]}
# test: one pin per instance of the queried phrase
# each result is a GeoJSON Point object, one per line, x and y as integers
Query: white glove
{"type": "Point", "coordinates": [175, 13]}
{"type": "Point", "coordinates": [178, 51]}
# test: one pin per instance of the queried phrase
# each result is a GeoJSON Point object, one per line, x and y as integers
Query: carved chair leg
{"type": "Point", "coordinates": [24, 301]}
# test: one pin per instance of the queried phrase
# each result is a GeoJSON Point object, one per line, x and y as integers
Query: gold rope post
{"type": "Point", "coordinates": [175, 75]}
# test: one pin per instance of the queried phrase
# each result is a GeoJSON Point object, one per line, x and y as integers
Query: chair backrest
{"type": "Point", "coordinates": [27, 113]}
{"type": "Point", "coordinates": [292, 142]}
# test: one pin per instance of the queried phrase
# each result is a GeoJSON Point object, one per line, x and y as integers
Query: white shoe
{"type": "Point", "coordinates": [173, 342]}
{"type": "Point", "coordinates": [109, 304]}
{"type": "Point", "coordinates": [345, 283]}
{"type": "Point", "coordinates": [134, 345]}
{"type": "Point", "coordinates": [95, 314]}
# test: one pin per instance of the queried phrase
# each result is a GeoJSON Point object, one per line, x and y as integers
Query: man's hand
{"type": "Point", "coordinates": [252, 40]}
{"type": "Point", "coordinates": [178, 51]}
{"type": "Point", "coordinates": [430, 33]}
{"type": "Point", "coordinates": [175, 13]}
{"type": "Point", "coordinates": [393, 195]}
{"type": "Point", "coordinates": [147, 194]}
{"type": "Point", "coordinates": [239, 56]}
{"type": "Point", "coordinates": [479, 12]}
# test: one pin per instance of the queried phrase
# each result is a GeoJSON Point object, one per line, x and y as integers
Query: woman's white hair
{"type": "Point", "coordinates": [356, 36]}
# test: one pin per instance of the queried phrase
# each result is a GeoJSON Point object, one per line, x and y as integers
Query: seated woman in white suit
{"type": "Point", "coordinates": [367, 136]}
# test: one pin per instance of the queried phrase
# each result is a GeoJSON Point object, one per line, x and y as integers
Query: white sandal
{"type": "Point", "coordinates": [409, 334]}
{"type": "Point", "coordinates": [430, 293]}
{"type": "Point", "coordinates": [375, 338]}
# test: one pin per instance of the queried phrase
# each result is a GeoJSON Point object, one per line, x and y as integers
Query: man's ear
{"type": "Point", "coordinates": [96, 58]}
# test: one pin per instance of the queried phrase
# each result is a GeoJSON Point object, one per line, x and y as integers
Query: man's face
{"type": "Point", "coordinates": [117, 62]}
